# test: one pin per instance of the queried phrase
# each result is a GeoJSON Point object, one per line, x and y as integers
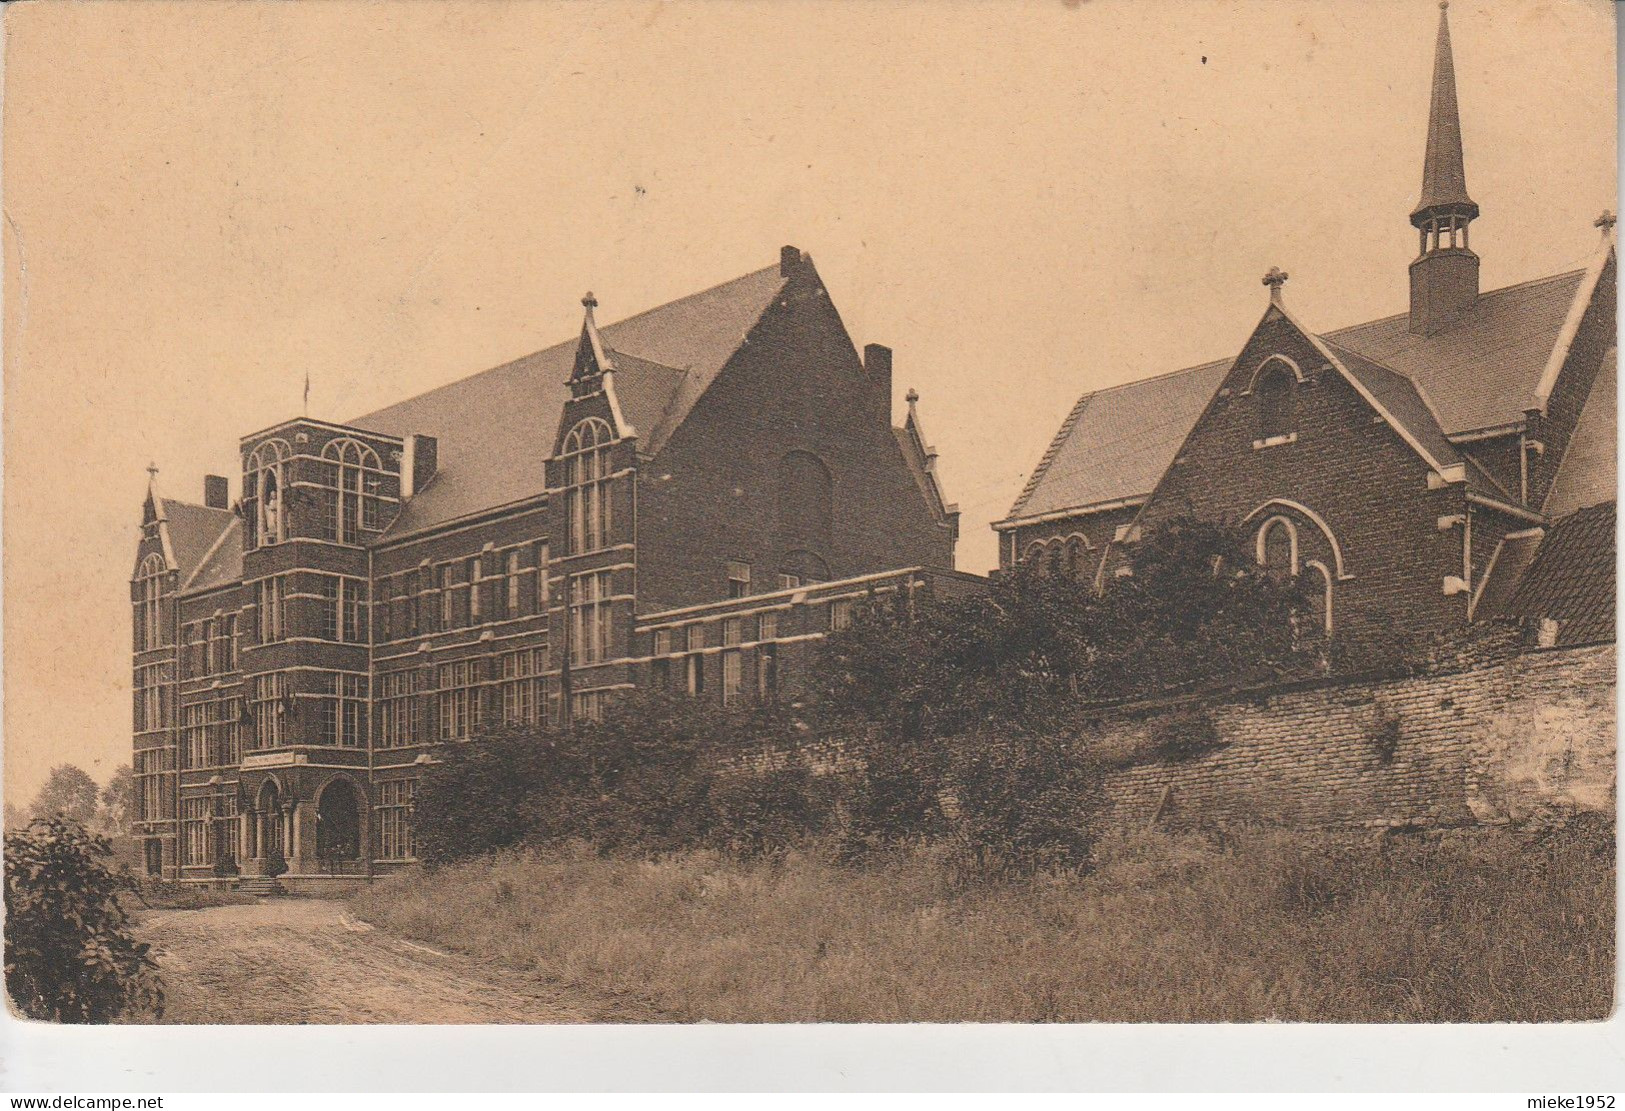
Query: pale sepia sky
{"type": "Point", "coordinates": [205, 201]}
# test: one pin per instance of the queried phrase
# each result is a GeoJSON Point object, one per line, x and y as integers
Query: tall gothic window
{"type": "Point", "coordinates": [354, 478]}
{"type": "Point", "coordinates": [1278, 548]}
{"type": "Point", "coordinates": [265, 490]}
{"type": "Point", "coordinates": [586, 477]}
{"type": "Point", "coordinates": [1276, 392]}
{"type": "Point", "coordinates": [149, 593]}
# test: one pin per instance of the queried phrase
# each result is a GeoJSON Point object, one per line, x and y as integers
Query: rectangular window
{"type": "Point", "coordinates": [397, 709]}
{"type": "Point", "coordinates": [590, 618]}
{"type": "Point", "coordinates": [459, 698]}
{"type": "Point", "coordinates": [840, 615]}
{"type": "Point", "coordinates": [662, 642]}
{"type": "Point", "coordinates": [789, 582]}
{"type": "Point", "coordinates": [327, 608]}
{"type": "Point", "coordinates": [738, 579]}
{"type": "Point", "coordinates": [769, 625]}
{"type": "Point", "coordinates": [152, 697]}
{"type": "Point", "coordinates": [524, 691]}
{"type": "Point", "coordinates": [542, 592]}
{"type": "Point", "coordinates": [767, 672]}
{"type": "Point", "coordinates": [446, 601]}
{"type": "Point", "coordinates": [194, 747]}
{"type": "Point", "coordinates": [269, 709]}
{"type": "Point", "coordinates": [223, 732]}
{"type": "Point", "coordinates": [474, 616]}
{"type": "Point", "coordinates": [733, 670]}
{"type": "Point", "coordinates": [588, 705]}
{"type": "Point", "coordinates": [353, 606]}
{"type": "Point", "coordinates": [733, 629]}
{"type": "Point", "coordinates": [507, 594]}
{"type": "Point", "coordinates": [393, 813]}
{"type": "Point", "coordinates": [153, 797]}
{"type": "Point", "coordinates": [222, 655]}
{"type": "Point", "coordinates": [195, 830]}
{"type": "Point", "coordinates": [340, 707]}
{"type": "Point", "coordinates": [694, 662]}
{"type": "Point", "coordinates": [272, 595]}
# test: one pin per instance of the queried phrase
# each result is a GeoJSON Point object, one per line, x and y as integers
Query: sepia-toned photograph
{"type": "Point", "coordinates": [627, 513]}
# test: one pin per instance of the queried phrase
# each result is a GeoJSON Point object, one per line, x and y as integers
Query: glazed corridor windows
{"type": "Point", "coordinates": [353, 478]}
{"type": "Point", "coordinates": [459, 698]}
{"type": "Point", "coordinates": [342, 609]}
{"type": "Point", "coordinates": [397, 709]}
{"type": "Point", "coordinates": [393, 813]}
{"type": "Point", "coordinates": [341, 710]}
{"type": "Point", "coordinates": [587, 495]}
{"type": "Point", "coordinates": [591, 631]}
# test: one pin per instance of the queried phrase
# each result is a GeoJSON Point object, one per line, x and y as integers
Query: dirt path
{"type": "Point", "coordinates": [307, 960]}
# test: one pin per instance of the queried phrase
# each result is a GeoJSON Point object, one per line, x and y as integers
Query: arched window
{"type": "Point", "coordinates": [800, 567]}
{"type": "Point", "coordinates": [1278, 547]}
{"type": "Point", "coordinates": [265, 494]}
{"type": "Point", "coordinates": [586, 477]}
{"type": "Point", "coordinates": [1319, 588]}
{"type": "Point", "coordinates": [1277, 394]}
{"type": "Point", "coordinates": [1076, 548]}
{"type": "Point", "coordinates": [354, 477]}
{"type": "Point", "coordinates": [1054, 559]}
{"type": "Point", "coordinates": [149, 593]}
{"type": "Point", "coordinates": [806, 502]}
{"type": "Point", "coordinates": [1035, 556]}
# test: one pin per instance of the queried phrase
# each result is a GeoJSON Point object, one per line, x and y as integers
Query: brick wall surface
{"type": "Point", "coordinates": [1523, 740]}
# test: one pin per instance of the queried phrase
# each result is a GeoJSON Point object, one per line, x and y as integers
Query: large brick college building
{"type": "Point", "coordinates": [690, 497]}
{"type": "Point", "coordinates": [1410, 466]}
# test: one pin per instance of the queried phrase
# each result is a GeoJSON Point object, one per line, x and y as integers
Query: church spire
{"type": "Point", "coordinates": [1444, 277]}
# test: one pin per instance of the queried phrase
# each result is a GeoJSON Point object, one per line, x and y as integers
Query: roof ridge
{"type": "Point", "coordinates": [196, 505]}
{"type": "Point", "coordinates": [1579, 270]}
{"type": "Point", "coordinates": [535, 351]}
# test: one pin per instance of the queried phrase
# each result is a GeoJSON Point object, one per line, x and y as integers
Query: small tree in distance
{"type": "Point", "coordinates": [69, 792]}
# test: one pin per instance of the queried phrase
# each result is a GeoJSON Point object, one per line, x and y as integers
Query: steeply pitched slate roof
{"type": "Point", "coordinates": [1481, 372]}
{"type": "Point", "coordinates": [193, 531]}
{"type": "Point", "coordinates": [1571, 578]}
{"type": "Point", "coordinates": [223, 565]}
{"type": "Point", "coordinates": [1117, 442]}
{"type": "Point", "coordinates": [489, 425]}
{"type": "Point", "coordinates": [1588, 473]}
{"type": "Point", "coordinates": [1399, 396]}
{"type": "Point", "coordinates": [1512, 558]}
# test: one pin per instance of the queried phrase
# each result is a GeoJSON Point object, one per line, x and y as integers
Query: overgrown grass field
{"type": "Point", "coordinates": [1492, 926]}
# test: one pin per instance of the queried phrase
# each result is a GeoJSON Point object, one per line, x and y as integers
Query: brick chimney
{"type": "Point", "coordinates": [789, 259]}
{"type": "Point", "coordinates": [877, 365]}
{"type": "Point", "coordinates": [419, 460]}
{"type": "Point", "coordinates": [215, 494]}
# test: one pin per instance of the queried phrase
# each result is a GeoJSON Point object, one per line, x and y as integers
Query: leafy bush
{"type": "Point", "coordinates": [894, 796]}
{"type": "Point", "coordinates": [1027, 803]}
{"type": "Point", "coordinates": [1384, 733]}
{"type": "Point", "coordinates": [68, 954]}
{"type": "Point", "coordinates": [766, 813]}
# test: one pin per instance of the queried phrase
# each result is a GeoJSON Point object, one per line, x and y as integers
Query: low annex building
{"type": "Point", "coordinates": [1409, 466]}
{"type": "Point", "coordinates": [693, 496]}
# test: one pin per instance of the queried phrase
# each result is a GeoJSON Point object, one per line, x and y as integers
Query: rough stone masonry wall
{"type": "Point", "coordinates": [1526, 740]}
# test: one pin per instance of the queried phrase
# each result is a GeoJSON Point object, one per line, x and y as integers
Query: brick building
{"type": "Point", "coordinates": [692, 496]}
{"type": "Point", "coordinates": [1409, 466]}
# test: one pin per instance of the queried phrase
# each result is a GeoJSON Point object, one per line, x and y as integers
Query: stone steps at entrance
{"type": "Point", "coordinates": [261, 886]}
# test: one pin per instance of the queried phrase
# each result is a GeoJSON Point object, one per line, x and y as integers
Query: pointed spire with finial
{"type": "Point", "coordinates": [1444, 276]}
{"type": "Point", "coordinates": [1444, 173]}
{"type": "Point", "coordinates": [592, 357]}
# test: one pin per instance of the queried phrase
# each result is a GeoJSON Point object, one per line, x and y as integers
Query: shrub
{"type": "Point", "coordinates": [68, 954]}
{"type": "Point", "coordinates": [766, 813]}
{"type": "Point", "coordinates": [1027, 803]}
{"type": "Point", "coordinates": [275, 863]}
{"type": "Point", "coordinates": [1384, 733]}
{"type": "Point", "coordinates": [895, 795]}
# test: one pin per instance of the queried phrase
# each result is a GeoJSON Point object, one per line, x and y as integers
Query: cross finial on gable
{"type": "Point", "coordinates": [1275, 279]}
{"type": "Point", "coordinates": [1606, 221]}
{"type": "Point", "coordinates": [589, 302]}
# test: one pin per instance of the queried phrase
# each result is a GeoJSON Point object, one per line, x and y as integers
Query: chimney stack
{"type": "Point", "coordinates": [215, 494]}
{"type": "Point", "coordinates": [877, 365]}
{"type": "Point", "coordinates": [789, 259]}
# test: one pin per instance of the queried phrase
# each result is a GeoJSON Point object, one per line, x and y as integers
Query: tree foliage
{"type": "Point", "coordinates": [70, 793]}
{"type": "Point", "coordinates": [117, 803]}
{"type": "Point", "coordinates": [69, 956]}
{"type": "Point", "coordinates": [1195, 610]}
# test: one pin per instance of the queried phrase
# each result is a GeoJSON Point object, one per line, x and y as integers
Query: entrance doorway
{"type": "Point", "coordinates": [338, 824]}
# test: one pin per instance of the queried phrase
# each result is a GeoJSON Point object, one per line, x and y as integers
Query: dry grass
{"type": "Point", "coordinates": [1492, 927]}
